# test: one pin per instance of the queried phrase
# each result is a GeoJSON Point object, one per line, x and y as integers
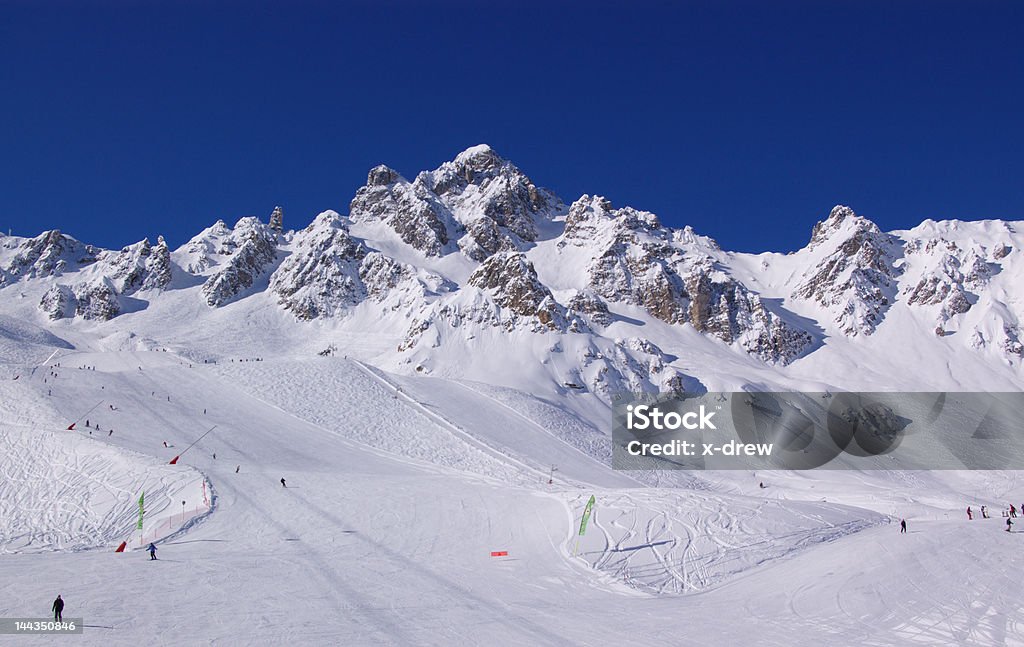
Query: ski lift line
{"type": "Point", "coordinates": [197, 440]}
{"type": "Point", "coordinates": [79, 419]}
{"type": "Point", "coordinates": [450, 426]}
{"type": "Point", "coordinates": [538, 426]}
{"type": "Point", "coordinates": [47, 360]}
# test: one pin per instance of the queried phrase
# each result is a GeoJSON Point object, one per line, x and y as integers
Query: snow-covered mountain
{"type": "Point", "coordinates": [472, 270]}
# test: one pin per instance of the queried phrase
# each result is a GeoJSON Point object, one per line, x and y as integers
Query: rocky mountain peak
{"type": "Point", "coordinates": [479, 159]}
{"type": "Point", "coordinates": [381, 175]}
{"type": "Point", "coordinates": [277, 219]}
{"type": "Point", "coordinates": [855, 278]}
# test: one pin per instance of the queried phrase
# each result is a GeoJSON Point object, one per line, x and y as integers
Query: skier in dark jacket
{"type": "Point", "coordinates": [1009, 523]}
{"type": "Point", "coordinates": [903, 526]}
{"type": "Point", "coordinates": [283, 484]}
{"type": "Point", "coordinates": [152, 552]}
{"type": "Point", "coordinates": [58, 608]}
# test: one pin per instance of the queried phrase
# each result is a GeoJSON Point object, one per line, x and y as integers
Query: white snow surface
{"type": "Point", "coordinates": [399, 487]}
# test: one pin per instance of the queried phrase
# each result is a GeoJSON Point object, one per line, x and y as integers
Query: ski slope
{"type": "Point", "coordinates": [400, 487]}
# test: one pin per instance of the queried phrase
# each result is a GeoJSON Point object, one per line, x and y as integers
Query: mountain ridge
{"type": "Point", "coordinates": [475, 250]}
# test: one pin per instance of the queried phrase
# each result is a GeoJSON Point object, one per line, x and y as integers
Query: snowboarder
{"type": "Point", "coordinates": [1009, 523]}
{"type": "Point", "coordinates": [58, 608]}
{"type": "Point", "coordinates": [282, 483]}
{"type": "Point", "coordinates": [152, 552]}
{"type": "Point", "coordinates": [903, 526]}
{"type": "Point", "coordinates": [970, 515]}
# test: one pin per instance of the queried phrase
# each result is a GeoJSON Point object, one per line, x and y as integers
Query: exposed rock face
{"type": "Point", "coordinates": [672, 276]}
{"type": "Point", "coordinates": [251, 246]}
{"type": "Point", "coordinates": [97, 300]}
{"type": "Point", "coordinates": [484, 238]}
{"type": "Point", "coordinates": [321, 277]}
{"type": "Point", "coordinates": [952, 282]}
{"type": "Point", "coordinates": [512, 282]}
{"type": "Point", "coordinates": [415, 214]}
{"type": "Point", "coordinates": [330, 272]}
{"type": "Point", "coordinates": [58, 302]}
{"type": "Point", "coordinates": [855, 279]}
{"type": "Point", "coordinates": [277, 219]}
{"type": "Point", "coordinates": [139, 267]}
{"type": "Point", "coordinates": [510, 297]}
{"type": "Point", "coordinates": [590, 306]}
{"type": "Point", "coordinates": [480, 183]}
{"type": "Point", "coordinates": [727, 310]}
{"type": "Point", "coordinates": [480, 200]}
{"type": "Point", "coordinates": [49, 254]}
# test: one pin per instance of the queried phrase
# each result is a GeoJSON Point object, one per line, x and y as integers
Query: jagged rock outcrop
{"type": "Point", "coordinates": [509, 296]}
{"type": "Point", "coordinates": [141, 266]}
{"type": "Point", "coordinates": [590, 306]}
{"type": "Point", "coordinates": [97, 300]}
{"type": "Point", "coordinates": [49, 254]}
{"type": "Point", "coordinates": [672, 276]}
{"type": "Point", "coordinates": [512, 282]}
{"type": "Point", "coordinates": [855, 278]}
{"type": "Point", "coordinates": [479, 200]}
{"type": "Point", "coordinates": [58, 302]}
{"type": "Point", "coordinates": [729, 311]}
{"type": "Point", "coordinates": [321, 277]}
{"type": "Point", "coordinates": [250, 247]}
{"type": "Point", "coordinates": [330, 272]}
{"type": "Point", "coordinates": [277, 219]}
{"type": "Point", "coordinates": [951, 277]}
{"type": "Point", "coordinates": [479, 183]}
{"type": "Point", "coordinates": [416, 215]}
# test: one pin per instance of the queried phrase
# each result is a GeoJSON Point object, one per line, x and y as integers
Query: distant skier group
{"type": "Point", "coordinates": [1009, 513]}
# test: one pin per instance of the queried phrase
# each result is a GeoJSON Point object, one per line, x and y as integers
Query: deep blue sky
{"type": "Point", "coordinates": [746, 120]}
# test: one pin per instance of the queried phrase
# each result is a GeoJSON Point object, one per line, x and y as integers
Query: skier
{"type": "Point", "coordinates": [761, 485]}
{"type": "Point", "coordinates": [984, 513]}
{"type": "Point", "coordinates": [282, 483]}
{"type": "Point", "coordinates": [58, 609]}
{"type": "Point", "coordinates": [214, 455]}
{"type": "Point", "coordinates": [1013, 511]}
{"type": "Point", "coordinates": [165, 443]}
{"type": "Point", "coordinates": [237, 467]}
{"type": "Point", "coordinates": [970, 516]}
{"type": "Point", "coordinates": [204, 412]}
{"type": "Point", "coordinates": [1009, 523]}
{"type": "Point", "coordinates": [152, 552]}
{"type": "Point", "coordinates": [903, 526]}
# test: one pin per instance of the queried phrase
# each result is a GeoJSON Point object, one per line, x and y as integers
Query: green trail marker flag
{"type": "Point", "coordinates": [583, 523]}
{"type": "Point", "coordinates": [141, 503]}
{"type": "Point", "coordinates": [586, 515]}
